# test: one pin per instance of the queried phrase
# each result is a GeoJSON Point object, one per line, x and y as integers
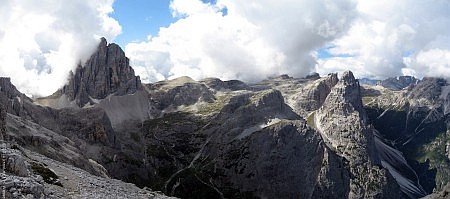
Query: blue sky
{"type": "Point", "coordinates": [140, 18]}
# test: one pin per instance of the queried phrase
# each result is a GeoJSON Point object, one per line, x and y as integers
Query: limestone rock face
{"type": "Point", "coordinates": [416, 122]}
{"type": "Point", "coordinates": [334, 178]}
{"type": "Point", "coordinates": [178, 92]}
{"type": "Point", "coordinates": [106, 72]}
{"type": "Point", "coordinates": [276, 156]}
{"type": "Point", "coordinates": [342, 123]}
{"type": "Point", "coordinates": [283, 137]}
{"type": "Point", "coordinates": [256, 129]}
{"type": "Point", "coordinates": [218, 84]}
{"type": "Point", "coordinates": [313, 96]}
{"type": "Point", "coordinates": [341, 119]}
{"type": "Point", "coordinates": [398, 83]}
{"type": "Point", "coordinates": [429, 89]}
{"type": "Point", "coordinates": [11, 98]}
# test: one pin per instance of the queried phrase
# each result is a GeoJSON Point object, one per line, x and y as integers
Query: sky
{"type": "Point", "coordinates": [42, 41]}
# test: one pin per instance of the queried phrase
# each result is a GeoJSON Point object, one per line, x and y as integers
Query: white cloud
{"type": "Point", "coordinates": [387, 30]}
{"type": "Point", "coordinates": [41, 41]}
{"type": "Point", "coordinates": [250, 41]}
{"type": "Point", "coordinates": [433, 62]}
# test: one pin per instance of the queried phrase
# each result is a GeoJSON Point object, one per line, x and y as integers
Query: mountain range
{"type": "Point", "coordinates": [105, 134]}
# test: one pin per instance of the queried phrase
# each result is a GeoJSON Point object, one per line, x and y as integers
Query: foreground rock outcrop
{"type": "Point", "coordinates": [283, 137]}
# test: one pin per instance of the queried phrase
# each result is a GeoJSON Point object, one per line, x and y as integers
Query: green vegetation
{"type": "Point", "coordinates": [49, 176]}
{"type": "Point", "coordinates": [214, 107]}
{"type": "Point", "coordinates": [435, 153]}
{"type": "Point", "coordinates": [310, 120]}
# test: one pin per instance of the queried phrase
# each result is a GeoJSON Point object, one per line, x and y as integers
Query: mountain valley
{"type": "Point", "coordinates": [107, 135]}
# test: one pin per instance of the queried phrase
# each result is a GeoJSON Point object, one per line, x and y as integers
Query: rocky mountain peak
{"type": "Point", "coordinates": [342, 122]}
{"type": "Point", "coordinates": [346, 95]}
{"type": "Point", "coordinates": [398, 83]}
{"type": "Point", "coordinates": [343, 103]}
{"type": "Point", "coordinates": [348, 78]}
{"type": "Point", "coordinates": [9, 89]}
{"type": "Point", "coordinates": [10, 97]}
{"type": "Point", "coordinates": [106, 72]}
{"type": "Point", "coordinates": [428, 88]}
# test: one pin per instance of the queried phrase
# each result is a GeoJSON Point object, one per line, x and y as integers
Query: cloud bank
{"type": "Point", "coordinates": [251, 40]}
{"type": "Point", "coordinates": [41, 41]}
{"type": "Point", "coordinates": [248, 40]}
{"type": "Point", "coordinates": [402, 37]}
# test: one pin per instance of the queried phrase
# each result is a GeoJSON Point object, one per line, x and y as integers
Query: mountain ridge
{"type": "Point", "coordinates": [231, 139]}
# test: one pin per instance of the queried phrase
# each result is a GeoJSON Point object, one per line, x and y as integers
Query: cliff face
{"type": "Point", "coordinates": [106, 72]}
{"type": "Point", "coordinates": [342, 122]}
{"type": "Point", "coordinates": [284, 137]}
{"type": "Point", "coordinates": [416, 122]}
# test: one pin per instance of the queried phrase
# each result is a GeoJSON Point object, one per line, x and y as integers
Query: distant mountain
{"type": "Point", "coordinates": [398, 83]}
{"type": "Point", "coordinates": [367, 81]}
{"type": "Point", "coordinates": [106, 72]}
{"type": "Point", "coordinates": [283, 137]}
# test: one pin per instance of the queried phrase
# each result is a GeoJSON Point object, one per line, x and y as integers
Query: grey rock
{"type": "Point", "coordinates": [178, 92]}
{"type": "Point", "coordinates": [415, 119]}
{"type": "Point", "coordinates": [312, 96]}
{"type": "Point", "coordinates": [218, 84]}
{"type": "Point", "coordinates": [428, 88]}
{"type": "Point", "coordinates": [106, 72]}
{"type": "Point", "coordinates": [334, 177]}
{"type": "Point", "coordinates": [11, 98]}
{"type": "Point", "coordinates": [342, 121]}
{"type": "Point", "coordinates": [275, 155]}
{"type": "Point", "coordinates": [398, 83]}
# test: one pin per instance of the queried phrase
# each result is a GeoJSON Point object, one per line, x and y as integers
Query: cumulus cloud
{"type": "Point", "coordinates": [41, 41]}
{"type": "Point", "coordinates": [390, 38]}
{"type": "Point", "coordinates": [251, 40]}
{"type": "Point", "coordinates": [247, 40]}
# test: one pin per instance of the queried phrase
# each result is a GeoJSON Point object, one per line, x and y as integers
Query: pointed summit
{"type": "Point", "coordinates": [106, 72]}
{"type": "Point", "coordinates": [103, 42]}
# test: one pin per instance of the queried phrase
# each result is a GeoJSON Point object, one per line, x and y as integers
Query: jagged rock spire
{"type": "Point", "coordinates": [342, 122]}
{"type": "Point", "coordinates": [106, 72]}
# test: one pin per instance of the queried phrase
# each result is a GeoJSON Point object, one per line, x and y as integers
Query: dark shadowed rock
{"type": "Point", "coordinates": [444, 194]}
{"type": "Point", "coordinates": [11, 98]}
{"type": "Point", "coordinates": [106, 72]}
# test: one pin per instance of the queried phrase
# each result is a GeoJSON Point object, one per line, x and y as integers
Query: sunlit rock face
{"type": "Point", "coordinates": [283, 137]}
{"type": "Point", "coordinates": [106, 72]}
